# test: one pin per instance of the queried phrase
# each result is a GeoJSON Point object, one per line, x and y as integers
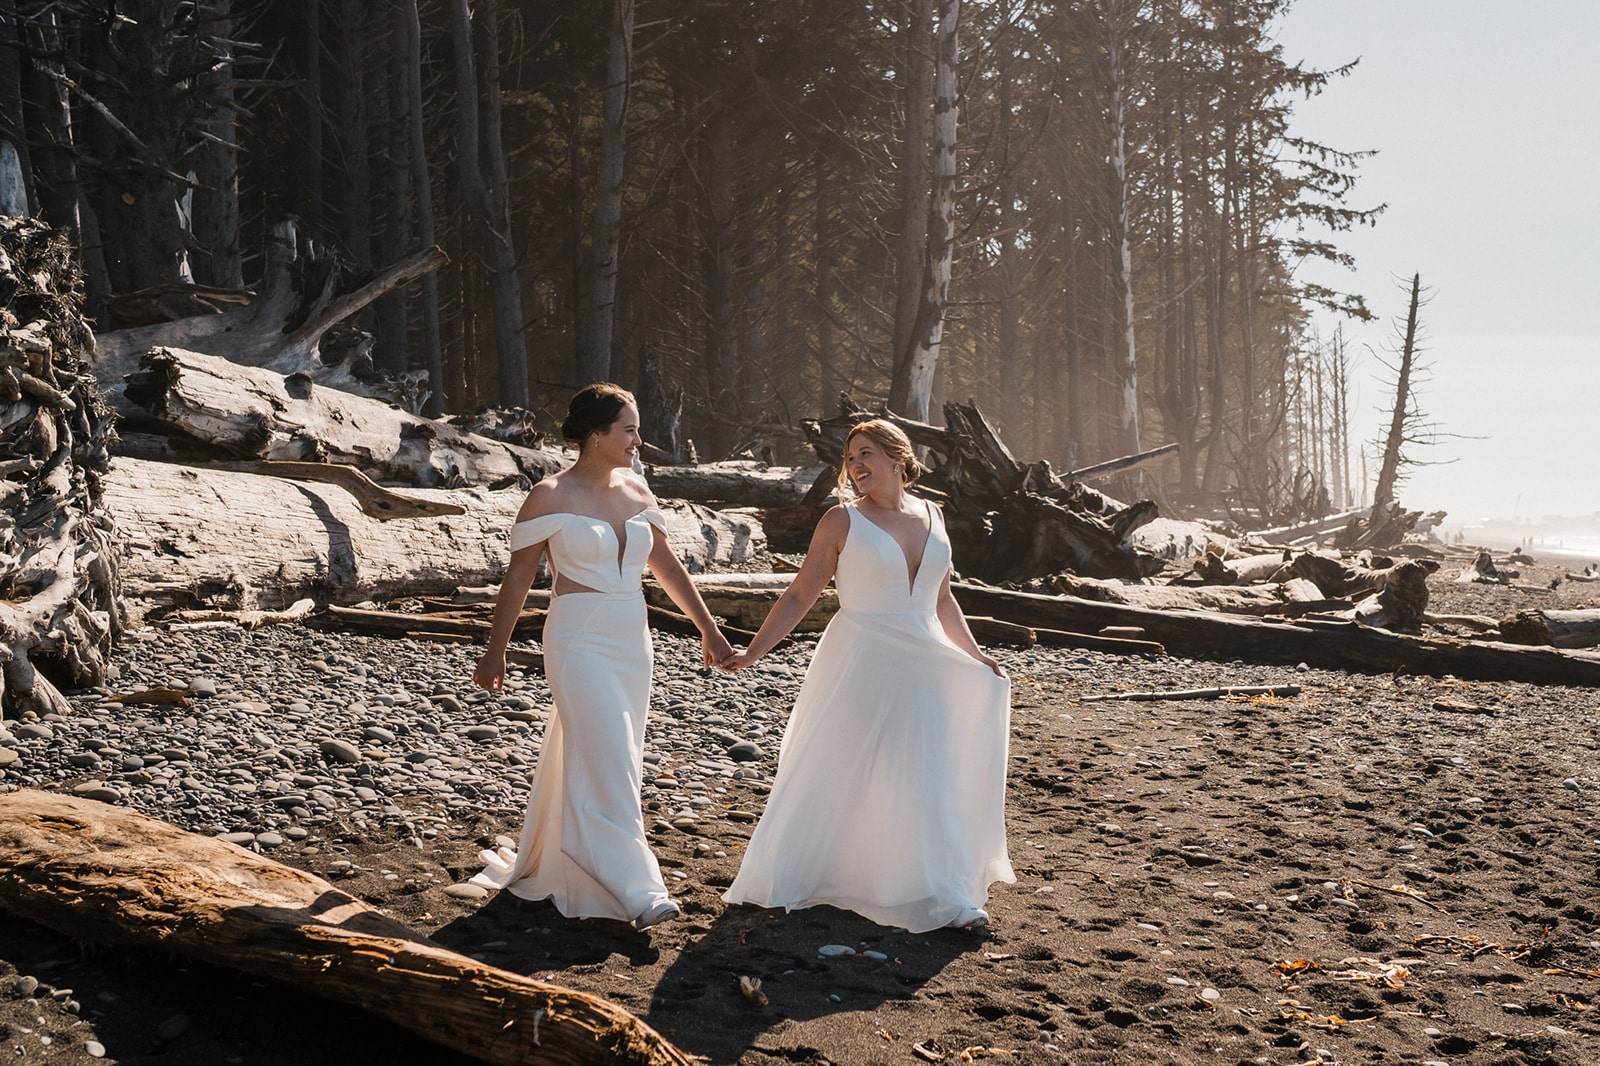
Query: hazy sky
{"type": "Point", "coordinates": [1486, 117]}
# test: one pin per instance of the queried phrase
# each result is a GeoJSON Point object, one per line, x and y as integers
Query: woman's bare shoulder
{"type": "Point", "coordinates": [546, 497]}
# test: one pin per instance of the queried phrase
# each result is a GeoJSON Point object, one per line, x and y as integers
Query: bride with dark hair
{"type": "Point", "coordinates": [583, 843]}
{"type": "Point", "coordinates": [890, 794]}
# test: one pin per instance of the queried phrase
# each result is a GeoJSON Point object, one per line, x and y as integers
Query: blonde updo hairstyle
{"type": "Point", "coordinates": [895, 444]}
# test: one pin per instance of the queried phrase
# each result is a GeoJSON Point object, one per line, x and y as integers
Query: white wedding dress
{"type": "Point", "coordinates": [583, 843]}
{"type": "Point", "coordinates": [890, 794]}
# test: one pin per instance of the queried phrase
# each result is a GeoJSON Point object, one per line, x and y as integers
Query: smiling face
{"type": "Point", "coordinates": [619, 442]}
{"type": "Point", "coordinates": [869, 466]}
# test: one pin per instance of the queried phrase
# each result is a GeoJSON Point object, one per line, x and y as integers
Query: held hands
{"type": "Point", "coordinates": [736, 662]}
{"type": "Point", "coordinates": [714, 648]}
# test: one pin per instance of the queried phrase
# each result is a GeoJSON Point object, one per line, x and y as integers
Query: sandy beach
{"type": "Point", "coordinates": [1382, 869]}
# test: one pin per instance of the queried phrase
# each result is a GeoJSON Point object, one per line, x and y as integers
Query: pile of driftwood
{"type": "Point", "coordinates": [61, 606]}
{"type": "Point", "coordinates": [1008, 520]}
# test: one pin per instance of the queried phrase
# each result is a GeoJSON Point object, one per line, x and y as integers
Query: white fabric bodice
{"type": "Point", "coordinates": [873, 574]}
{"type": "Point", "coordinates": [584, 549]}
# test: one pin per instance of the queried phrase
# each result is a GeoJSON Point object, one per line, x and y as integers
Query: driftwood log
{"type": "Point", "coordinates": [735, 482]}
{"type": "Point", "coordinates": [1008, 520]}
{"type": "Point", "coordinates": [1335, 644]}
{"type": "Point", "coordinates": [109, 875]}
{"type": "Point", "coordinates": [197, 538]}
{"type": "Point", "coordinates": [242, 412]}
{"type": "Point", "coordinates": [1561, 629]}
{"type": "Point", "coordinates": [60, 603]}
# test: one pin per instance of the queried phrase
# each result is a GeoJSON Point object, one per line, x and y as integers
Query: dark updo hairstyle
{"type": "Point", "coordinates": [895, 444]}
{"type": "Point", "coordinates": [593, 410]}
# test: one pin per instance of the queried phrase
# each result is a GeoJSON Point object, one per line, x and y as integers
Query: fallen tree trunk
{"type": "Point", "coordinates": [1295, 596]}
{"type": "Point", "coordinates": [1341, 645]}
{"type": "Point", "coordinates": [303, 296]}
{"type": "Point", "coordinates": [105, 874]}
{"type": "Point", "coordinates": [1561, 629]}
{"type": "Point", "coordinates": [738, 482]}
{"type": "Point", "coordinates": [214, 538]}
{"type": "Point", "coordinates": [1122, 465]}
{"type": "Point", "coordinates": [253, 413]}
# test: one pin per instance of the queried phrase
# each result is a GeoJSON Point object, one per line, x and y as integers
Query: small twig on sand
{"type": "Point", "coordinates": [1399, 890]}
{"type": "Point", "coordinates": [1200, 693]}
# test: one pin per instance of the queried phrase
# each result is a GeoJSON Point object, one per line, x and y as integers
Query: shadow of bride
{"type": "Point", "coordinates": [528, 936]}
{"type": "Point", "coordinates": [804, 971]}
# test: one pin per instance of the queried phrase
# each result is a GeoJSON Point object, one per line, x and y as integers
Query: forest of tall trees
{"type": "Point", "coordinates": [1087, 216]}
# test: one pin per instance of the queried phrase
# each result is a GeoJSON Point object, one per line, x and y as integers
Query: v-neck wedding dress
{"type": "Point", "coordinates": [583, 844]}
{"type": "Point", "coordinates": [890, 794]}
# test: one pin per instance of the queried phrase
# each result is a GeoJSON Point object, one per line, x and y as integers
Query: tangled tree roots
{"type": "Point", "coordinates": [60, 602]}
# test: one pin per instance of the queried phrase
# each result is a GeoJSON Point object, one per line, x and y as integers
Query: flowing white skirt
{"type": "Point", "coordinates": [890, 794]}
{"type": "Point", "coordinates": [583, 844]}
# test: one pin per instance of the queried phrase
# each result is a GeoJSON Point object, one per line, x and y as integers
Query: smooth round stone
{"type": "Point", "coordinates": [1422, 831]}
{"type": "Point", "coordinates": [483, 732]}
{"type": "Point", "coordinates": [26, 986]}
{"type": "Point", "coordinates": [378, 733]}
{"type": "Point", "coordinates": [465, 891]}
{"type": "Point", "coordinates": [83, 759]}
{"type": "Point", "coordinates": [1224, 896]}
{"type": "Point", "coordinates": [1210, 995]}
{"type": "Point", "coordinates": [173, 1027]}
{"type": "Point", "coordinates": [745, 752]}
{"type": "Point", "coordinates": [35, 731]}
{"type": "Point", "coordinates": [9, 756]}
{"type": "Point", "coordinates": [204, 687]}
{"type": "Point", "coordinates": [1571, 783]}
{"type": "Point", "coordinates": [94, 1049]}
{"type": "Point", "coordinates": [835, 950]}
{"type": "Point", "coordinates": [1177, 982]}
{"type": "Point", "coordinates": [447, 703]}
{"type": "Point", "coordinates": [1347, 904]}
{"type": "Point", "coordinates": [241, 839]}
{"type": "Point", "coordinates": [269, 840]}
{"type": "Point", "coordinates": [340, 751]}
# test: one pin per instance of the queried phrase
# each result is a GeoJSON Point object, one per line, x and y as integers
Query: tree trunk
{"type": "Point", "coordinates": [440, 391]}
{"type": "Point", "coordinates": [215, 222]}
{"type": "Point", "coordinates": [594, 356]}
{"type": "Point", "coordinates": [391, 347]}
{"type": "Point", "coordinates": [911, 245]}
{"type": "Point", "coordinates": [101, 873]}
{"type": "Point", "coordinates": [485, 195]}
{"type": "Point", "coordinates": [1394, 442]}
{"type": "Point", "coordinates": [721, 360]}
{"type": "Point", "coordinates": [911, 392]}
{"type": "Point", "coordinates": [1126, 364]}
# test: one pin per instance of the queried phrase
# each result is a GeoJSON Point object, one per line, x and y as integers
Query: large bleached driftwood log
{"type": "Point", "coordinates": [201, 537]}
{"type": "Point", "coordinates": [109, 875]}
{"type": "Point", "coordinates": [254, 413]}
{"type": "Point", "coordinates": [1340, 645]}
{"type": "Point", "coordinates": [1562, 629]}
{"type": "Point", "coordinates": [60, 604]}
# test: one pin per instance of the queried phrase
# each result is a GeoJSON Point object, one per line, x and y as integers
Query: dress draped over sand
{"type": "Point", "coordinates": [583, 843]}
{"type": "Point", "coordinates": [890, 794]}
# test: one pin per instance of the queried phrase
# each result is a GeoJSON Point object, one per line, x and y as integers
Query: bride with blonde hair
{"type": "Point", "coordinates": [890, 795]}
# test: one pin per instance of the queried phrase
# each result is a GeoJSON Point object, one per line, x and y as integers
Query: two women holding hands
{"type": "Point", "coordinates": [889, 797]}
